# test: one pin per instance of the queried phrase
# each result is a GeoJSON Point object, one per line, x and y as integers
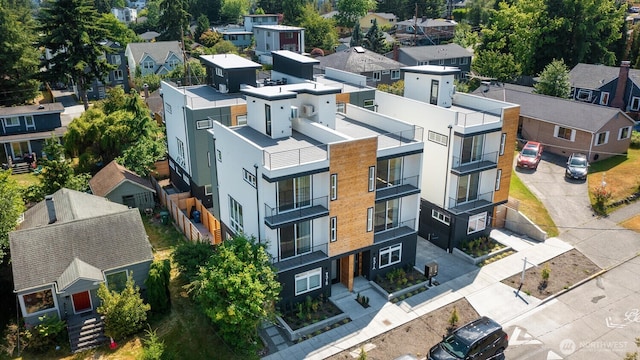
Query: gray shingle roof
{"type": "Point", "coordinates": [435, 52]}
{"type": "Point", "coordinates": [78, 269]}
{"type": "Point", "coordinates": [428, 22]}
{"type": "Point", "coordinates": [589, 76]}
{"type": "Point", "coordinates": [573, 114]}
{"type": "Point", "coordinates": [358, 62]}
{"type": "Point", "coordinates": [44, 254]}
{"type": "Point", "coordinates": [51, 108]}
{"type": "Point", "coordinates": [158, 50]}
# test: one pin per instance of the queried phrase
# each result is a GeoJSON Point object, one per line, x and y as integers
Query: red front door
{"type": "Point", "coordinates": [81, 302]}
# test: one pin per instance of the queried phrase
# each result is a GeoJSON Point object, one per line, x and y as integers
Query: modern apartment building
{"type": "Point", "coordinates": [333, 194]}
{"type": "Point", "coordinates": [468, 156]}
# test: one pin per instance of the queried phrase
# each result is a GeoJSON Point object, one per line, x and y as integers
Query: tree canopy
{"type": "Point", "coordinates": [554, 80]}
{"type": "Point", "coordinates": [11, 205]}
{"type": "Point", "coordinates": [237, 289]}
{"type": "Point", "coordinates": [374, 39]}
{"type": "Point", "coordinates": [77, 48]}
{"type": "Point", "coordinates": [349, 12]}
{"type": "Point", "coordinates": [319, 32]}
{"type": "Point", "coordinates": [58, 172]}
{"type": "Point", "coordinates": [19, 60]}
{"type": "Point", "coordinates": [173, 20]}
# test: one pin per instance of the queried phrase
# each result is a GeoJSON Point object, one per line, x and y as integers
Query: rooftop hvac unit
{"type": "Point", "coordinates": [307, 110]}
{"type": "Point", "coordinates": [223, 88]}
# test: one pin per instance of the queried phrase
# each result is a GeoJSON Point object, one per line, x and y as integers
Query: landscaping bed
{"type": "Point", "coordinates": [312, 317]}
{"type": "Point", "coordinates": [564, 271]}
{"type": "Point", "coordinates": [481, 250]}
{"type": "Point", "coordinates": [399, 279]}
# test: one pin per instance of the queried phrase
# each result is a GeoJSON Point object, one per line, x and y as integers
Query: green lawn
{"type": "Point", "coordinates": [530, 206]}
{"type": "Point", "coordinates": [27, 179]}
{"type": "Point", "coordinates": [620, 173]}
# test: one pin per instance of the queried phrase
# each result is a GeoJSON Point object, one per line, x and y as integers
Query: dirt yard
{"type": "Point", "coordinates": [564, 271]}
{"type": "Point", "coordinates": [415, 337]}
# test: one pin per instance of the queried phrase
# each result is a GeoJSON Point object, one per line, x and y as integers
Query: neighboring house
{"type": "Point", "coordinates": [25, 129]}
{"type": "Point", "coordinates": [149, 36]}
{"type": "Point", "coordinates": [468, 153]}
{"type": "Point", "coordinates": [425, 31]}
{"type": "Point", "coordinates": [188, 111]}
{"type": "Point", "coordinates": [277, 37]}
{"type": "Point", "coordinates": [564, 126]}
{"type": "Point", "coordinates": [385, 20]}
{"type": "Point", "coordinates": [123, 186]}
{"type": "Point", "coordinates": [237, 35]}
{"type": "Point", "coordinates": [117, 77]}
{"type": "Point", "coordinates": [159, 57]}
{"type": "Point", "coordinates": [67, 246]}
{"type": "Point", "coordinates": [125, 14]}
{"type": "Point", "coordinates": [607, 86]}
{"type": "Point", "coordinates": [333, 195]}
{"type": "Point", "coordinates": [444, 55]}
{"type": "Point", "coordinates": [139, 4]}
{"type": "Point", "coordinates": [263, 19]}
{"type": "Point", "coordinates": [377, 68]}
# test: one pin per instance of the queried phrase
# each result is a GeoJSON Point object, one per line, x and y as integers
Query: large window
{"type": "Point", "coordinates": [602, 138]}
{"type": "Point", "coordinates": [564, 133]}
{"type": "Point", "coordinates": [477, 223]}
{"type": "Point", "coordinates": [584, 95]}
{"type": "Point", "coordinates": [390, 255]}
{"type": "Point", "coordinates": [435, 86]}
{"type": "Point", "coordinates": [235, 215]}
{"type": "Point", "coordinates": [468, 188]}
{"type": "Point", "coordinates": [267, 119]}
{"type": "Point", "coordinates": [472, 149]}
{"type": "Point", "coordinates": [388, 173]}
{"type": "Point", "coordinates": [116, 59]}
{"type": "Point", "coordinates": [38, 301]}
{"type": "Point", "coordinates": [387, 215]}
{"type": "Point", "coordinates": [294, 193]}
{"type": "Point", "coordinates": [295, 239]}
{"type": "Point", "coordinates": [117, 281]}
{"type": "Point", "coordinates": [308, 281]}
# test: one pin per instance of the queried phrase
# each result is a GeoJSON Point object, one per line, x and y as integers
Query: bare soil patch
{"type": "Point", "coordinates": [564, 270]}
{"type": "Point", "coordinates": [415, 337]}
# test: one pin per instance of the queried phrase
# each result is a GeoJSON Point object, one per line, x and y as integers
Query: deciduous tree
{"type": "Point", "coordinates": [554, 80]}
{"type": "Point", "coordinates": [11, 205]}
{"type": "Point", "coordinates": [237, 289]}
{"type": "Point", "coordinates": [349, 12]}
{"type": "Point", "coordinates": [495, 64]}
{"type": "Point", "coordinates": [319, 32]}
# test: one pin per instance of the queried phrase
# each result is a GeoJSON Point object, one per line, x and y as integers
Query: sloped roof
{"type": "Point", "coordinates": [158, 50]}
{"type": "Point", "coordinates": [435, 52]}
{"type": "Point", "coordinates": [50, 108]}
{"type": "Point", "coordinates": [589, 76]}
{"type": "Point", "coordinates": [149, 35]}
{"type": "Point", "coordinates": [357, 61]}
{"type": "Point", "coordinates": [573, 114]}
{"type": "Point", "coordinates": [78, 269]}
{"type": "Point", "coordinates": [383, 15]}
{"type": "Point", "coordinates": [423, 22]}
{"type": "Point", "coordinates": [114, 174]}
{"type": "Point", "coordinates": [105, 240]}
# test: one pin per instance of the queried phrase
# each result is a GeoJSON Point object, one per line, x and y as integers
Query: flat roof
{"type": "Point", "coordinates": [32, 109]}
{"type": "Point", "coordinates": [229, 61]}
{"type": "Point", "coordinates": [295, 56]}
{"type": "Point", "coordinates": [205, 96]}
{"type": "Point", "coordinates": [431, 69]}
{"type": "Point", "coordinates": [289, 91]}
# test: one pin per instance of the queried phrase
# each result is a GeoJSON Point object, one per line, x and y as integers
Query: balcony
{"type": "Point", "coordinates": [459, 207]}
{"type": "Point", "coordinates": [478, 118]}
{"type": "Point", "coordinates": [399, 188]}
{"type": "Point", "coordinates": [317, 253]}
{"type": "Point", "coordinates": [487, 162]}
{"type": "Point", "coordinates": [405, 228]}
{"type": "Point", "coordinates": [283, 215]}
{"type": "Point", "coordinates": [400, 138]}
{"type": "Point", "coordinates": [294, 157]}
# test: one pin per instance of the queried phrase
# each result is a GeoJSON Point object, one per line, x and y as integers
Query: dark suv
{"type": "Point", "coordinates": [478, 340]}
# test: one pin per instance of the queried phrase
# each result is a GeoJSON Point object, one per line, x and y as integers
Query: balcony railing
{"type": "Point", "coordinates": [285, 214]}
{"type": "Point", "coordinates": [287, 158]}
{"type": "Point", "coordinates": [317, 252]}
{"type": "Point", "coordinates": [400, 138]}
{"type": "Point", "coordinates": [400, 187]}
{"type": "Point", "coordinates": [404, 228]}
{"type": "Point", "coordinates": [462, 166]}
{"type": "Point", "coordinates": [479, 118]}
{"type": "Point", "coordinates": [459, 206]}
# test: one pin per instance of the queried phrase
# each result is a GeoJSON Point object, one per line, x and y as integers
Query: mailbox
{"type": "Point", "coordinates": [431, 269]}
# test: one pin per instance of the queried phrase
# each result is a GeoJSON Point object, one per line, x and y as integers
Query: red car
{"type": "Point", "coordinates": [530, 155]}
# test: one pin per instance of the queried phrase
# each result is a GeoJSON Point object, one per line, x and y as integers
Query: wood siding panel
{"type": "Point", "coordinates": [237, 110]}
{"type": "Point", "coordinates": [342, 98]}
{"type": "Point", "coordinates": [505, 161]}
{"type": "Point", "coordinates": [351, 162]}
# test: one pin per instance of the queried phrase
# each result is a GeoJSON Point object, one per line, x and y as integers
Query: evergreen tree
{"type": "Point", "coordinates": [554, 80]}
{"type": "Point", "coordinates": [174, 19]}
{"type": "Point", "coordinates": [374, 39]}
{"type": "Point", "coordinates": [125, 312]}
{"type": "Point", "coordinates": [12, 206]}
{"type": "Point", "coordinates": [77, 49]}
{"type": "Point", "coordinates": [202, 25]}
{"type": "Point", "coordinates": [57, 171]}
{"type": "Point", "coordinates": [19, 60]}
{"type": "Point", "coordinates": [157, 284]}
{"type": "Point", "coordinates": [356, 36]}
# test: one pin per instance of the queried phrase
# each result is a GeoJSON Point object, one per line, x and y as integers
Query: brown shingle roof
{"type": "Point", "coordinates": [111, 176]}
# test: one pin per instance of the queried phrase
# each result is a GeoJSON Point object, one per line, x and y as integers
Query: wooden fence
{"type": "Point", "coordinates": [180, 207]}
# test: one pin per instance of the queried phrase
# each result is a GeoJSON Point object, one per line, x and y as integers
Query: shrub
{"type": "Point", "coordinates": [125, 312]}
{"type": "Point", "coordinates": [45, 335]}
{"type": "Point", "coordinates": [454, 318]}
{"type": "Point", "coordinates": [635, 140]}
{"type": "Point", "coordinates": [189, 257]}
{"type": "Point", "coordinates": [157, 284]}
{"type": "Point", "coordinates": [601, 196]}
{"type": "Point", "coordinates": [153, 348]}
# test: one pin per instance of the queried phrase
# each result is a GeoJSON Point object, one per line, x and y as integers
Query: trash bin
{"type": "Point", "coordinates": [164, 216]}
{"type": "Point", "coordinates": [196, 216]}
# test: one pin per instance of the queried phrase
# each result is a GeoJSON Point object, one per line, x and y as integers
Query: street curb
{"type": "Point", "coordinates": [585, 280]}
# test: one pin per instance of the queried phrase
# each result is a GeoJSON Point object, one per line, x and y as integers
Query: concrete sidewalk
{"type": "Point", "coordinates": [480, 286]}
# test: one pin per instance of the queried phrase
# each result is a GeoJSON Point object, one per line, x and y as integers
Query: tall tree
{"type": "Point", "coordinates": [11, 205]}
{"type": "Point", "coordinates": [202, 25]}
{"type": "Point", "coordinates": [291, 10]}
{"type": "Point", "coordinates": [465, 36]}
{"type": "Point", "coordinates": [233, 10]}
{"type": "Point", "coordinates": [237, 289]}
{"type": "Point", "coordinates": [357, 38]}
{"type": "Point", "coordinates": [77, 49]}
{"type": "Point", "coordinates": [554, 80]}
{"type": "Point", "coordinates": [57, 171]}
{"type": "Point", "coordinates": [374, 39]}
{"type": "Point", "coordinates": [174, 19]}
{"type": "Point", "coordinates": [495, 64]}
{"type": "Point", "coordinates": [118, 32]}
{"type": "Point", "coordinates": [433, 9]}
{"type": "Point", "coordinates": [273, 6]}
{"type": "Point", "coordinates": [319, 32]}
{"type": "Point", "coordinates": [19, 60]}
{"type": "Point", "coordinates": [350, 11]}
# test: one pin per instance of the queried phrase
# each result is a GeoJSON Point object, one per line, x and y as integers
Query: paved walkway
{"type": "Point", "coordinates": [458, 279]}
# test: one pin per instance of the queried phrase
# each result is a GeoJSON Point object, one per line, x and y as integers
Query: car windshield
{"type": "Point", "coordinates": [529, 152]}
{"type": "Point", "coordinates": [455, 346]}
{"type": "Point", "coordinates": [578, 162]}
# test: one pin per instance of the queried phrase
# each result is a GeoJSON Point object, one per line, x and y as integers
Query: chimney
{"type": "Point", "coordinates": [51, 208]}
{"type": "Point", "coordinates": [396, 53]}
{"type": "Point", "coordinates": [623, 76]}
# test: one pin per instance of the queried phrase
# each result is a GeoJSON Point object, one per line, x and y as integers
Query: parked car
{"type": "Point", "coordinates": [530, 155]}
{"type": "Point", "coordinates": [480, 339]}
{"type": "Point", "coordinates": [577, 167]}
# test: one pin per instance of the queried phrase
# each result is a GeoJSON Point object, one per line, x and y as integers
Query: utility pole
{"type": "Point", "coordinates": [415, 26]}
